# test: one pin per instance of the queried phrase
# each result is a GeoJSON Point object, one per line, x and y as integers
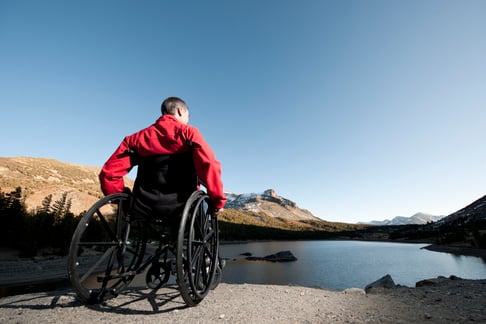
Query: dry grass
{"type": "Point", "coordinates": [40, 177]}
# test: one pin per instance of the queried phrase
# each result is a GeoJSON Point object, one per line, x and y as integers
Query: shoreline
{"type": "Point", "coordinates": [465, 251]}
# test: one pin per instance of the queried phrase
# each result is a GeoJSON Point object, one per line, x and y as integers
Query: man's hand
{"type": "Point", "coordinates": [217, 211]}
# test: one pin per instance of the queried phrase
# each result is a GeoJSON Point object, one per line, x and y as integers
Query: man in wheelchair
{"type": "Point", "coordinates": [173, 154]}
{"type": "Point", "coordinates": [108, 247]}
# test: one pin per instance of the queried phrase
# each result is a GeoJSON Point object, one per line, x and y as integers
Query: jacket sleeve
{"type": "Point", "coordinates": [208, 169]}
{"type": "Point", "coordinates": [114, 169]}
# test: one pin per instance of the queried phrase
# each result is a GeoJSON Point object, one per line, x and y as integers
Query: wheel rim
{"type": "Point", "coordinates": [197, 250]}
{"type": "Point", "coordinates": [105, 250]}
{"type": "Point", "coordinates": [201, 252]}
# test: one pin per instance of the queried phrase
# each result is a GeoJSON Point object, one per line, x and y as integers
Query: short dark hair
{"type": "Point", "coordinates": [169, 106]}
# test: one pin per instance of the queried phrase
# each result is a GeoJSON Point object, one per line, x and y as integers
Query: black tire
{"type": "Point", "coordinates": [197, 249]}
{"type": "Point", "coordinates": [218, 276]}
{"type": "Point", "coordinates": [105, 250]}
{"type": "Point", "coordinates": [158, 274]}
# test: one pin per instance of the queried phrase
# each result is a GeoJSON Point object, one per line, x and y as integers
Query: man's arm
{"type": "Point", "coordinates": [114, 169]}
{"type": "Point", "coordinates": [208, 169]}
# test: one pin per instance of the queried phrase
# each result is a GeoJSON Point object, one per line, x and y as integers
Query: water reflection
{"type": "Point", "coordinates": [344, 264]}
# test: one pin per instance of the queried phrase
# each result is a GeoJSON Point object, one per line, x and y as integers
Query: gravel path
{"type": "Point", "coordinates": [449, 301]}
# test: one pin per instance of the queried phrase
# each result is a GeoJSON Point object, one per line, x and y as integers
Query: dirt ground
{"type": "Point", "coordinates": [449, 301]}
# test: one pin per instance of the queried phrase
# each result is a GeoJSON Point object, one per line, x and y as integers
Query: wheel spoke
{"type": "Point", "coordinates": [106, 226]}
{"type": "Point", "coordinates": [197, 253]}
{"type": "Point", "coordinates": [108, 253]}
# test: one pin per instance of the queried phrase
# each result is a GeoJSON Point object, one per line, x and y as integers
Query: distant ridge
{"type": "Point", "coordinates": [40, 177]}
{"type": "Point", "coordinates": [417, 219]}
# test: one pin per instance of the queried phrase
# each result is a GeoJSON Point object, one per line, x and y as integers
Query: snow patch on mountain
{"type": "Point", "coordinates": [268, 202]}
{"type": "Point", "coordinates": [417, 219]}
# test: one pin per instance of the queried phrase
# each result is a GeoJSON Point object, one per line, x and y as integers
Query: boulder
{"type": "Point", "coordinates": [385, 282]}
{"type": "Point", "coordinates": [283, 256]}
{"type": "Point", "coordinates": [434, 281]}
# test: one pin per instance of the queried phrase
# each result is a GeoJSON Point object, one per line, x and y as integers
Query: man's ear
{"type": "Point", "coordinates": [179, 111]}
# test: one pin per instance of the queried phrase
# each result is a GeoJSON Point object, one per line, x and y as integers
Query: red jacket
{"type": "Point", "coordinates": [166, 136]}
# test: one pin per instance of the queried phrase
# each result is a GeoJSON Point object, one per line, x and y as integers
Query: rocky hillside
{"type": "Point", "coordinates": [474, 212]}
{"type": "Point", "coordinates": [270, 204]}
{"type": "Point", "coordinates": [40, 177]}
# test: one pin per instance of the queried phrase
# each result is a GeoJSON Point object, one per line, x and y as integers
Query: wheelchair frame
{"type": "Point", "coordinates": [110, 248]}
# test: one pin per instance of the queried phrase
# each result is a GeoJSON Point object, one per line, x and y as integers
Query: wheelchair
{"type": "Point", "coordinates": [110, 247]}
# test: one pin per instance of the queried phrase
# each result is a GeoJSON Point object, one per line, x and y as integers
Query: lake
{"type": "Point", "coordinates": [344, 264]}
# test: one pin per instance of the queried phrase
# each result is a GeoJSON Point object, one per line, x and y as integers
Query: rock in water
{"type": "Point", "coordinates": [282, 256]}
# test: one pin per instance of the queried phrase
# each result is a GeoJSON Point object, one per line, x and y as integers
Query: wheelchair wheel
{"type": "Point", "coordinates": [159, 272]}
{"type": "Point", "coordinates": [105, 250]}
{"type": "Point", "coordinates": [157, 275]}
{"type": "Point", "coordinates": [197, 249]}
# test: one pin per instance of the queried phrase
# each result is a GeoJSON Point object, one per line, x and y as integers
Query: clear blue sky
{"type": "Point", "coordinates": [356, 110]}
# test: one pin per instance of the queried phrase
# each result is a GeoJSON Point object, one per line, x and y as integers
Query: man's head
{"type": "Point", "coordinates": [176, 107]}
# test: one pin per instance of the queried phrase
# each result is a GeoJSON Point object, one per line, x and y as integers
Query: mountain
{"type": "Point", "coordinates": [40, 177]}
{"type": "Point", "coordinates": [246, 217]}
{"type": "Point", "coordinates": [269, 203]}
{"type": "Point", "coordinates": [474, 212]}
{"type": "Point", "coordinates": [266, 215]}
{"type": "Point", "coordinates": [417, 219]}
{"type": "Point", "coordinates": [463, 229]}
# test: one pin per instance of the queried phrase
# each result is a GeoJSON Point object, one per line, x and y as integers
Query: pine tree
{"type": "Point", "coordinates": [67, 208]}
{"type": "Point", "coordinates": [59, 206]}
{"type": "Point", "coordinates": [12, 217]}
{"type": "Point", "coordinates": [46, 204]}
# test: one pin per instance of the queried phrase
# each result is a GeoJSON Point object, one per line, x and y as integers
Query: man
{"type": "Point", "coordinates": [169, 154]}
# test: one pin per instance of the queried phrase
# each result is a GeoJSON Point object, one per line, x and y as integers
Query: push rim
{"type": "Point", "coordinates": [197, 249]}
{"type": "Point", "coordinates": [105, 250]}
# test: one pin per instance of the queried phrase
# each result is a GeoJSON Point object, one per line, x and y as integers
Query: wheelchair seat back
{"type": "Point", "coordinates": [163, 185]}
